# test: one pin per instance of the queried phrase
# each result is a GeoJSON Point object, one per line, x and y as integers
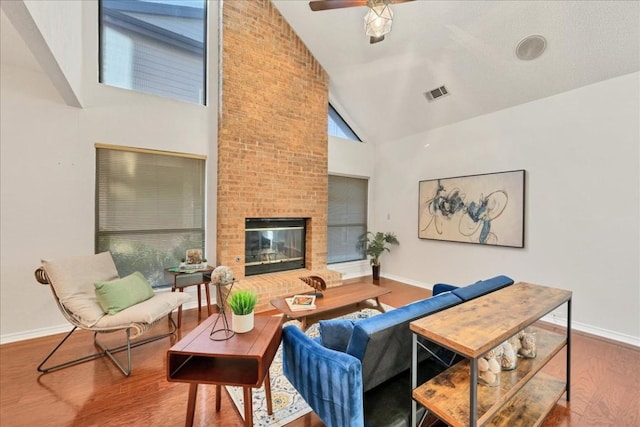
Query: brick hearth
{"type": "Point", "coordinates": [272, 285]}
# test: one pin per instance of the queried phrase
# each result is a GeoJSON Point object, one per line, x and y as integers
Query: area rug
{"type": "Point", "coordinates": [288, 405]}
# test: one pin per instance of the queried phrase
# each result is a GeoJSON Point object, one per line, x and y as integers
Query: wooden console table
{"type": "Point", "coordinates": [337, 301]}
{"type": "Point", "coordinates": [243, 360]}
{"type": "Point", "coordinates": [525, 395]}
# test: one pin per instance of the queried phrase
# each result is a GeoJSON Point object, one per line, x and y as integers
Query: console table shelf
{"type": "Point", "coordinates": [475, 327]}
{"type": "Point", "coordinates": [448, 393]}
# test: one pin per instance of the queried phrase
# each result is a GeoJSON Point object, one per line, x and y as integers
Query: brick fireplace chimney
{"type": "Point", "coordinates": [272, 135]}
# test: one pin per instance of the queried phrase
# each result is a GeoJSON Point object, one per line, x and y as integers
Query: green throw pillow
{"type": "Point", "coordinates": [116, 295]}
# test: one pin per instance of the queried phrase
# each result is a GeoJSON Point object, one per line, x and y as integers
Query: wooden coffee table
{"type": "Point", "coordinates": [243, 360]}
{"type": "Point", "coordinates": [337, 301]}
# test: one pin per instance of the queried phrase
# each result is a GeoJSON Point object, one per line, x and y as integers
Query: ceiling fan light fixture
{"type": "Point", "coordinates": [379, 17]}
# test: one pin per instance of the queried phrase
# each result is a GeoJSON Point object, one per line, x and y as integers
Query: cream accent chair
{"type": "Point", "coordinates": [73, 281]}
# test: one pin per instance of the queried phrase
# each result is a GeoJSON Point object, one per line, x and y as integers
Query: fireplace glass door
{"type": "Point", "coordinates": [274, 244]}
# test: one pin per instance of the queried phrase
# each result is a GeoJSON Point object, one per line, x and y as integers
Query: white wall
{"type": "Point", "coordinates": [581, 156]}
{"type": "Point", "coordinates": [48, 169]}
{"type": "Point", "coordinates": [354, 159]}
{"type": "Point", "coordinates": [50, 17]}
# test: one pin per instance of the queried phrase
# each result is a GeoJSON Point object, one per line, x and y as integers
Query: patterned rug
{"type": "Point", "coordinates": [288, 405]}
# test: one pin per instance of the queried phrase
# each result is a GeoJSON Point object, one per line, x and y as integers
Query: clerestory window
{"type": "Point", "coordinates": [338, 127]}
{"type": "Point", "coordinates": [155, 46]}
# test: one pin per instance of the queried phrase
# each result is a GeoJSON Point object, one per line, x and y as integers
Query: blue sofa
{"type": "Point", "coordinates": [356, 373]}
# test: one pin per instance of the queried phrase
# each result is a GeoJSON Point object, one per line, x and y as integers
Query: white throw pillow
{"type": "Point", "coordinates": [73, 281]}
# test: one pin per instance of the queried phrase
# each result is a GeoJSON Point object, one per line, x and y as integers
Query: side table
{"type": "Point", "coordinates": [242, 360]}
{"type": "Point", "coordinates": [183, 279]}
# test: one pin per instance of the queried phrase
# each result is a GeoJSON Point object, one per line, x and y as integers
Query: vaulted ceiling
{"type": "Point", "coordinates": [468, 46]}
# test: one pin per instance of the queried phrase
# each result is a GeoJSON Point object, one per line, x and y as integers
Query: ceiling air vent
{"type": "Point", "coordinates": [436, 93]}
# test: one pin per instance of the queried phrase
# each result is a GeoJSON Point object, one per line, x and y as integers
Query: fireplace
{"type": "Point", "coordinates": [274, 244]}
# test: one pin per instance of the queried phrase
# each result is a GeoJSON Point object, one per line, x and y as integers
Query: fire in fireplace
{"type": "Point", "coordinates": [274, 244]}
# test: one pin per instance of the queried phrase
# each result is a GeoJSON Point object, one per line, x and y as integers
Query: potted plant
{"type": "Point", "coordinates": [373, 245]}
{"type": "Point", "coordinates": [242, 303]}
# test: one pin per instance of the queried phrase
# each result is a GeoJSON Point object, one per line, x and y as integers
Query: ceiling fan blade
{"type": "Point", "coordinates": [373, 40]}
{"type": "Point", "coordinates": [317, 5]}
{"type": "Point", "coordinates": [398, 1]}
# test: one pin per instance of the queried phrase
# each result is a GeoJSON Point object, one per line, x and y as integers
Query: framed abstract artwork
{"type": "Point", "coordinates": [486, 209]}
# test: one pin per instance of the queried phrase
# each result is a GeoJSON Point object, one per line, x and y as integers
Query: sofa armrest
{"type": "Point", "coordinates": [482, 287]}
{"type": "Point", "coordinates": [328, 380]}
{"type": "Point", "coordinates": [439, 288]}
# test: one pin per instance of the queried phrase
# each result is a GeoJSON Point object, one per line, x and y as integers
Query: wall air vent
{"type": "Point", "coordinates": [436, 93]}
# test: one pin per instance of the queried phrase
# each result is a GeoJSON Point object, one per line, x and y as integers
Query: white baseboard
{"type": "Point", "coordinates": [35, 333]}
{"type": "Point", "coordinates": [594, 330]}
{"type": "Point", "coordinates": [66, 327]}
{"type": "Point", "coordinates": [408, 281]}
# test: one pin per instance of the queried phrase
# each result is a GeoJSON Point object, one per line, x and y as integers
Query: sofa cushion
{"type": "Point", "coordinates": [118, 294]}
{"type": "Point", "coordinates": [73, 281]}
{"type": "Point", "coordinates": [336, 333]}
{"type": "Point", "coordinates": [383, 342]}
{"type": "Point", "coordinates": [149, 311]}
{"type": "Point", "coordinates": [482, 287]}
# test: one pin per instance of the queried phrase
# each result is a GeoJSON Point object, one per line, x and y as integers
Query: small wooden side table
{"type": "Point", "coordinates": [242, 360]}
{"type": "Point", "coordinates": [183, 279]}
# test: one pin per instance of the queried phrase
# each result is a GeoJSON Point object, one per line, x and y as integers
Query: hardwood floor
{"type": "Point", "coordinates": [605, 384]}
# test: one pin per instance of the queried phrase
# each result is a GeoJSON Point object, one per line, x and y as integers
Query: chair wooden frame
{"type": "Point", "coordinates": [132, 330]}
{"type": "Point", "coordinates": [317, 283]}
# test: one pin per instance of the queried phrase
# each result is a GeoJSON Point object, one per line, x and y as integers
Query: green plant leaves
{"type": "Point", "coordinates": [242, 302]}
{"type": "Point", "coordinates": [374, 244]}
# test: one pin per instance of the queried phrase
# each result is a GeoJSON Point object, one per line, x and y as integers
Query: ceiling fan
{"type": "Point", "coordinates": [377, 21]}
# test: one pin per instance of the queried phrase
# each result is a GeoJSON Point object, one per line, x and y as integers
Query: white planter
{"type": "Point", "coordinates": [242, 323]}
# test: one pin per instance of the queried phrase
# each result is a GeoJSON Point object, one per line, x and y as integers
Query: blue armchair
{"type": "Point", "coordinates": [329, 381]}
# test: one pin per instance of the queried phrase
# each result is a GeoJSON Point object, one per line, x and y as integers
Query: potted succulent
{"type": "Point", "coordinates": [242, 303]}
{"type": "Point", "coordinates": [373, 245]}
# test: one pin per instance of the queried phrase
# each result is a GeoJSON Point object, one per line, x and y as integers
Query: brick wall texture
{"type": "Point", "coordinates": [272, 135]}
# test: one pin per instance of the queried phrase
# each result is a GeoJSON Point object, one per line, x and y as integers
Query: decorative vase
{"type": "Point", "coordinates": [242, 323]}
{"type": "Point", "coordinates": [489, 370]}
{"type": "Point", "coordinates": [375, 269]}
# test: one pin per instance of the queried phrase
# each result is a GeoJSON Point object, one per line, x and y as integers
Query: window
{"type": "Point", "coordinates": [149, 208]}
{"type": "Point", "coordinates": [154, 46]}
{"type": "Point", "coordinates": [347, 218]}
{"type": "Point", "coordinates": [338, 127]}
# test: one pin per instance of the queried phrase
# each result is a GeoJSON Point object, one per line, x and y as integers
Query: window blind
{"type": "Point", "coordinates": [149, 209]}
{"type": "Point", "coordinates": [347, 217]}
